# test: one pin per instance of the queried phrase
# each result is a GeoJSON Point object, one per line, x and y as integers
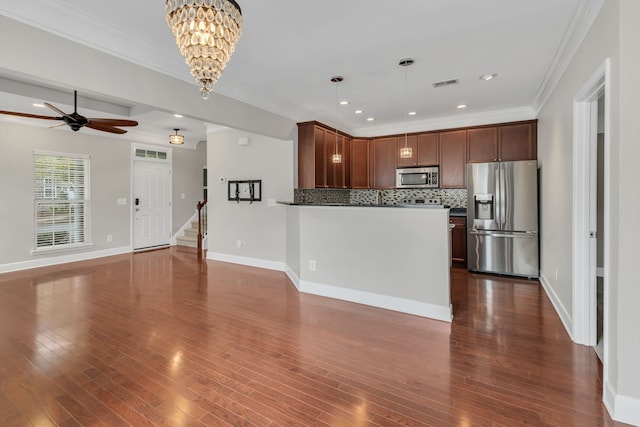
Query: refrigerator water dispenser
{"type": "Point", "coordinates": [484, 206]}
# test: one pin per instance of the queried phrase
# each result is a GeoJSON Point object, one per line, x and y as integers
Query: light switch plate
{"type": "Point", "coordinates": [122, 201]}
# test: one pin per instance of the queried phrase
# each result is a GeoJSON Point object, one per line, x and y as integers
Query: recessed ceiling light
{"type": "Point", "coordinates": [370, 119]}
{"type": "Point", "coordinates": [178, 115]}
{"type": "Point", "coordinates": [39, 105]}
{"type": "Point", "coordinates": [344, 102]}
{"type": "Point", "coordinates": [412, 113]}
{"type": "Point", "coordinates": [461, 106]}
{"type": "Point", "coordinates": [488, 76]}
{"type": "Point", "coordinates": [358, 112]}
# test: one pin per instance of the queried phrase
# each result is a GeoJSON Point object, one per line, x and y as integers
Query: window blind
{"type": "Point", "coordinates": [61, 200]}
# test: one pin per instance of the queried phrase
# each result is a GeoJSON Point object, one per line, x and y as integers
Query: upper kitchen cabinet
{"type": "Point", "coordinates": [410, 141]}
{"type": "Point", "coordinates": [453, 146]}
{"type": "Point", "coordinates": [360, 173]}
{"type": "Point", "coordinates": [518, 141]}
{"type": "Point", "coordinates": [383, 162]}
{"type": "Point", "coordinates": [316, 145]}
{"type": "Point", "coordinates": [482, 145]}
{"type": "Point", "coordinates": [514, 141]}
{"type": "Point", "coordinates": [428, 149]}
{"type": "Point", "coordinates": [424, 150]}
{"type": "Point", "coordinates": [337, 173]}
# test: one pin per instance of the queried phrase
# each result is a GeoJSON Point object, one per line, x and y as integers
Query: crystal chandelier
{"type": "Point", "coordinates": [206, 32]}
{"type": "Point", "coordinates": [405, 152]}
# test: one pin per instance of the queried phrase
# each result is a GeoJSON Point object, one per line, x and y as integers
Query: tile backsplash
{"type": "Point", "coordinates": [455, 198]}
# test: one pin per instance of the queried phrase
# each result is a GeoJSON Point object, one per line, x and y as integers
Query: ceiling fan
{"type": "Point", "coordinates": [77, 121]}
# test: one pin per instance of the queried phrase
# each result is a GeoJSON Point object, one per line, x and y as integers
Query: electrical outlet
{"type": "Point", "coordinates": [109, 238]}
{"type": "Point", "coordinates": [556, 274]}
{"type": "Point", "coordinates": [239, 243]}
{"type": "Point", "coordinates": [312, 265]}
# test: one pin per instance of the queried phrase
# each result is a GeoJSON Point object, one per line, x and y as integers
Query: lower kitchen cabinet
{"type": "Point", "coordinates": [459, 241]}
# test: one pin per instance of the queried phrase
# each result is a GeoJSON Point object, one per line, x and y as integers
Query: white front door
{"type": "Point", "coordinates": [151, 204]}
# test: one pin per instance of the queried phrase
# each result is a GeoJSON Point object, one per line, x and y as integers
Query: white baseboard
{"type": "Point", "coordinates": [293, 277]}
{"type": "Point", "coordinates": [564, 315]}
{"type": "Point", "coordinates": [63, 259]}
{"type": "Point", "coordinates": [251, 262]}
{"type": "Point", "coordinates": [377, 300]}
{"type": "Point", "coordinates": [621, 408]}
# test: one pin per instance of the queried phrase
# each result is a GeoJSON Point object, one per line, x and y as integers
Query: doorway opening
{"type": "Point", "coordinates": [591, 214]}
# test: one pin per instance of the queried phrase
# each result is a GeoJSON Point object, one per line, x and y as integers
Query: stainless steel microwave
{"type": "Point", "coordinates": [426, 177]}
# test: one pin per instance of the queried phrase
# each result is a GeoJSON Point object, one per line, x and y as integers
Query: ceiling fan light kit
{"type": "Point", "coordinates": [206, 32]}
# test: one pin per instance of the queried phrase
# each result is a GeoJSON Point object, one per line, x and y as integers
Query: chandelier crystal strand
{"type": "Point", "coordinates": [206, 32]}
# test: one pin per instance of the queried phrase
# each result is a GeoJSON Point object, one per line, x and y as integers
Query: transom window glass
{"type": "Point", "coordinates": [61, 200]}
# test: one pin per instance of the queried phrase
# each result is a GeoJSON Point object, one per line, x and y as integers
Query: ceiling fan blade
{"type": "Point", "coordinates": [57, 126]}
{"type": "Point", "coordinates": [114, 122]}
{"type": "Point", "coordinates": [57, 110]}
{"type": "Point", "coordinates": [33, 116]}
{"type": "Point", "coordinates": [105, 128]}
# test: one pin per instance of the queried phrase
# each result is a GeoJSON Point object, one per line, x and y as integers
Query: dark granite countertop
{"type": "Point", "coordinates": [452, 211]}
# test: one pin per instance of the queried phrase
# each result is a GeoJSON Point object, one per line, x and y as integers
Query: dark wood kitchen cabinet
{"type": "Point", "coordinates": [453, 158]}
{"type": "Point", "coordinates": [518, 141]}
{"type": "Point", "coordinates": [459, 241]}
{"type": "Point", "coordinates": [337, 173]}
{"type": "Point", "coordinates": [424, 150]}
{"type": "Point", "coordinates": [383, 162]}
{"type": "Point", "coordinates": [411, 142]}
{"type": "Point", "coordinates": [515, 141]}
{"type": "Point", "coordinates": [428, 148]}
{"type": "Point", "coordinates": [316, 145]}
{"type": "Point", "coordinates": [360, 171]}
{"type": "Point", "coordinates": [482, 145]}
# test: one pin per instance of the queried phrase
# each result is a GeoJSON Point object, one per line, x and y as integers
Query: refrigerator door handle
{"type": "Point", "coordinates": [498, 198]}
{"type": "Point", "coordinates": [476, 232]}
{"type": "Point", "coordinates": [503, 210]}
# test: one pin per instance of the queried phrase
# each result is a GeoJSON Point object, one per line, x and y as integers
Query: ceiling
{"type": "Point", "coordinates": [290, 49]}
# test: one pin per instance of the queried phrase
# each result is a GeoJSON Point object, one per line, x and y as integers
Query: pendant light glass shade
{"type": "Point", "coordinates": [406, 152]}
{"type": "Point", "coordinates": [176, 139]}
{"type": "Point", "coordinates": [206, 31]}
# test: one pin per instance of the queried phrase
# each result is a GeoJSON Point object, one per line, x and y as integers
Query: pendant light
{"type": "Point", "coordinates": [406, 152]}
{"type": "Point", "coordinates": [336, 157]}
{"type": "Point", "coordinates": [176, 139]}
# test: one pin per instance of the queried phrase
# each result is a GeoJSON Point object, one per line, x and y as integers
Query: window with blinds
{"type": "Point", "coordinates": [61, 200]}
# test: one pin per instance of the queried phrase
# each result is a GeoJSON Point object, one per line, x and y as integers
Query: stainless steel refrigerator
{"type": "Point", "coordinates": [502, 218]}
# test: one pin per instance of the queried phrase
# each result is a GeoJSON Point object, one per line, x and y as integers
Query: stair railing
{"type": "Point", "coordinates": [202, 222]}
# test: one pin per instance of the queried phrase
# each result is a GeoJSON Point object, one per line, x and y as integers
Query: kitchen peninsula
{"type": "Point", "coordinates": [390, 257]}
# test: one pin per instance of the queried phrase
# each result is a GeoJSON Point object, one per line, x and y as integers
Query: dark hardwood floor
{"type": "Point", "coordinates": [164, 339]}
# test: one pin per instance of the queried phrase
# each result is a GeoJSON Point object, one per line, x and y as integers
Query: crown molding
{"type": "Point", "coordinates": [449, 122]}
{"type": "Point", "coordinates": [581, 22]}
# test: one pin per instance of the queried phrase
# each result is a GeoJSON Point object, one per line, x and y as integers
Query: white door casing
{"type": "Point", "coordinates": [151, 202]}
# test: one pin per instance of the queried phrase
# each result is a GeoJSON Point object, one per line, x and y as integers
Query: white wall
{"type": "Point", "coordinates": [627, 298]}
{"type": "Point", "coordinates": [187, 180]}
{"type": "Point", "coordinates": [614, 35]}
{"type": "Point", "coordinates": [110, 179]}
{"type": "Point", "coordinates": [261, 227]}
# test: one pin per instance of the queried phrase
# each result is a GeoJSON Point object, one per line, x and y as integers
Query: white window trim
{"type": "Point", "coordinates": [87, 202]}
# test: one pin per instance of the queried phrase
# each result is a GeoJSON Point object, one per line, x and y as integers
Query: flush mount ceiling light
{"type": "Point", "coordinates": [336, 157]}
{"type": "Point", "coordinates": [206, 31]}
{"type": "Point", "coordinates": [406, 152]}
{"type": "Point", "coordinates": [486, 77]}
{"type": "Point", "coordinates": [176, 139]}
